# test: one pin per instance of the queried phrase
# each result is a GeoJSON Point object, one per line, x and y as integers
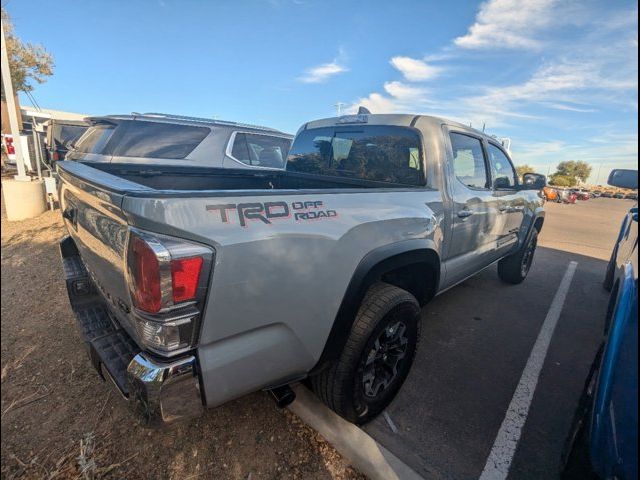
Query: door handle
{"type": "Point", "coordinates": [503, 208]}
{"type": "Point", "coordinates": [465, 213]}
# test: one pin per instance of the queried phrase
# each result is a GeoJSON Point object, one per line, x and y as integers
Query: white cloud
{"type": "Point", "coordinates": [399, 97]}
{"type": "Point", "coordinates": [415, 70]}
{"type": "Point", "coordinates": [322, 73]}
{"type": "Point", "coordinates": [558, 85]}
{"type": "Point", "coordinates": [570, 108]}
{"type": "Point", "coordinates": [508, 24]}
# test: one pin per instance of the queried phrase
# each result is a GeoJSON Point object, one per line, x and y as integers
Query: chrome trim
{"type": "Point", "coordinates": [163, 392]}
{"type": "Point", "coordinates": [232, 139]}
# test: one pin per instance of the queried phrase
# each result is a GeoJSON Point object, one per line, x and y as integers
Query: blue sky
{"type": "Point", "coordinates": [557, 77]}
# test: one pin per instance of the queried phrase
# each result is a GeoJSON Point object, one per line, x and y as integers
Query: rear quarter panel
{"type": "Point", "coordinates": [276, 288]}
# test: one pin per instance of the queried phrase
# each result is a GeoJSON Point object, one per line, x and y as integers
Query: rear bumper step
{"type": "Point", "coordinates": [160, 391]}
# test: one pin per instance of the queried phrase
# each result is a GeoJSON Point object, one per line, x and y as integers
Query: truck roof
{"type": "Point", "coordinates": [401, 119]}
{"type": "Point", "coordinates": [181, 119]}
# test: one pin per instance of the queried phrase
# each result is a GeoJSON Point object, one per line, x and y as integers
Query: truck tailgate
{"type": "Point", "coordinates": [90, 201]}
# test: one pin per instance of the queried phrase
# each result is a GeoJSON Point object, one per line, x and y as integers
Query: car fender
{"type": "Point", "coordinates": [369, 270]}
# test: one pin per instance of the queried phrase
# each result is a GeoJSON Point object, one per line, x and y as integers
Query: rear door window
{"type": "Point", "coordinates": [502, 172]}
{"type": "Point", "coordinates": [158, 140]}
{"type": "Point", "coordinates": [380, 153]}
{"type": "Point", "coordinates": [260, 150]}
{"type": "Point", "coordinates": [95, 139]}
{"type": "Point", "coordinates": [469, 164]}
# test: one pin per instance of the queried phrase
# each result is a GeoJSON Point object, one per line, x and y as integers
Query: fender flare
{"type": "Point", "coordinates": [538, 215]}
{"type": "Point", "coordinates": [372, 266]}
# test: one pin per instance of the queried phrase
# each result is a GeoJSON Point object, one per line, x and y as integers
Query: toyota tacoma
{"type": "Point", "coordinates": [193, 286]}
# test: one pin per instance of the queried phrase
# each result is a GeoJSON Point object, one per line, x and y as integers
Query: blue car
{"type": "Point", "coordinates": [603, 442]}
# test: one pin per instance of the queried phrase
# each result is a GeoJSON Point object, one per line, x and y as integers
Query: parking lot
{"type": "Point", "coordinates": [476, 341]}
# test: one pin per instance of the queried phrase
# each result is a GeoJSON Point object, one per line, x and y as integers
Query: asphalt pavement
{"type": "Point", "coordinates": [477, 340]}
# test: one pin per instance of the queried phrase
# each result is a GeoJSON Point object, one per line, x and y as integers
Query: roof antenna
{"type": "Point", "coordinates": [363, 111]}
{"type": "Point", "coordinates": [484, 124]}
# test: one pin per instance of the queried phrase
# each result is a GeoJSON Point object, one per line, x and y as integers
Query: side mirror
{"type": "Point", "coordinates": [623, 178]}
{"type": "Point", "coordinates": [533, 181]}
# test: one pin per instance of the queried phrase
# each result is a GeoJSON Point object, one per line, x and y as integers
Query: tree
{"type": "Point", "coordinates": [558, 180]}
{"type": "Point", "coordinates": [522, 169]}
{"type": "Point", "coordinates": [576, 169]}
{"type": "Point", "coordinates": [26, 61]}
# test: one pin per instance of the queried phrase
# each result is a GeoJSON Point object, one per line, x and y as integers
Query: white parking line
{"type": "Point", "coordinates": [504, 447]}
{"type": "Point", "coordinates": [392, 425]}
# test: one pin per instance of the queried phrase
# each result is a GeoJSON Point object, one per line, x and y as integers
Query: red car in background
{"type": "Point", "coordinates": [581, 194]}
{"type": "Point", "coordinates": [567, 196]}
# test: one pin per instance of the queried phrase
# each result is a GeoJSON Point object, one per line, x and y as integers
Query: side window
{"type": "Point", "coordinates": [159, 140]}
{"type": "Point", "coordinates": [95, 139]}
{"type": "Point", "coordinates": [468, 161]}
{"type": "Point", "coordinates": [503, 174]}
{"type": "Point", "coordinates": [260, 150]}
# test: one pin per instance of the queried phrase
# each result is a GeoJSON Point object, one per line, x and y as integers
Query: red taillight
{"type": "Point", "coordinates": [56, 156]}
{"type": "Point", "coordinates": [185, 275]}
{"type": "Point", "coordinates": [11, 150]}
{"type": "Point", "coordinates": [145, 270]}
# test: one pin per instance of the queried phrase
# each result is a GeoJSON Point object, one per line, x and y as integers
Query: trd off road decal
{"type": "Point", "coordinates": [268, 211]}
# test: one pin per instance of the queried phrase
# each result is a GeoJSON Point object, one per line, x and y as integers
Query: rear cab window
{"type": "Point", "coordinates": [380, 153]}
{"type": "Point", "coordinates": [259, 150]}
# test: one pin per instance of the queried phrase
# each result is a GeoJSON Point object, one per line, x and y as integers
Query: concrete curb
{"type": "Point", "coordinates": [362, 451]}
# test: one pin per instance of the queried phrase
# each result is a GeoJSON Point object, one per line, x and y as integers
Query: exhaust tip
{"type": "Point", "coordinates": [283, 396]}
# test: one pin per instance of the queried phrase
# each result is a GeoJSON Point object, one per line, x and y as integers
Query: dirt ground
{"type": "Point", "coordinates": [59, 418]}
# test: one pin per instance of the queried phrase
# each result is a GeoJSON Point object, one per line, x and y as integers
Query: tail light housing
{"type": "Point", "coordinates": [167, 280]}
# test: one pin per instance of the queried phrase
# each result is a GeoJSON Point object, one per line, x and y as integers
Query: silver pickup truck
{"type": "Point", "coordinates": [193, 286]}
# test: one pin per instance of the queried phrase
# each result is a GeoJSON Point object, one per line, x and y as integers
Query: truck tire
{"type": "Point", "coordinates": [376, 357]}
{"type": "Point", "coordinates": [515, 268]}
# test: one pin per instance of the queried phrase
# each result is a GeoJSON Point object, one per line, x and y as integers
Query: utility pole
{"type": "Point", "coordinates": [339, 106]}
{"type": "Point", "coordinates": [11, 107]}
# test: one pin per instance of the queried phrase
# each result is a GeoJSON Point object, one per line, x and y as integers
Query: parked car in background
{"type": "Point", "coordinates": [566, 196]}
{"type": "Point", "coordinates": [60, 134]}
{"type": "Point", "coordinates": [596, 193]}
{"type": "Point", "coordinates": [606, 194]}
{"type": "Point", "coordinates": [172, 140]}
{"type": "Point", "coordinates": [618, 195]}
{"type": "Point", "coordinates": [631, 196]}
{"type": "Point", "coordinates": [193, 287]}
{"type": "Point", "coordinates": [550, 194]}
{"type": "Point", "coordinates": [581, 194]}
{"type": "Point", "coordinates": [603, 440]}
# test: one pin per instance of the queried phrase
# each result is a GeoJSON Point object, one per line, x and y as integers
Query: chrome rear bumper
{"type": "Point", "coordinates": [164, 392]}
{"type": "Point", "coordinates": [161, 391]}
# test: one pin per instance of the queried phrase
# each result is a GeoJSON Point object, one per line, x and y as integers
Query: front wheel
{"type": "Point", "coordinates": [376, 358]}
{"type": "Point", "coordinates": [515, 268]}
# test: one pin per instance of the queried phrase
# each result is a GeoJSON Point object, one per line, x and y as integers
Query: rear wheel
{"type": "Point", "coordinates": [376, 358]}
{"type": "Point", "coordinates": [515, 268]}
